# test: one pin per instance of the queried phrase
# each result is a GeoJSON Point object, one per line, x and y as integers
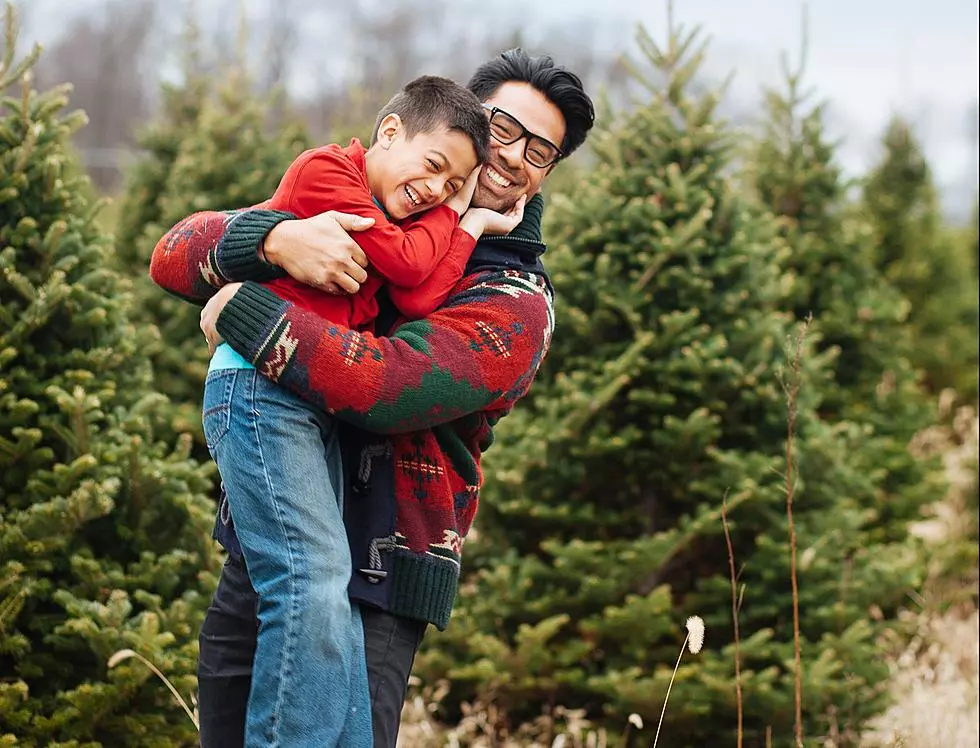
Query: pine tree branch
{"type": "Point", "coordinates": [10, 72]}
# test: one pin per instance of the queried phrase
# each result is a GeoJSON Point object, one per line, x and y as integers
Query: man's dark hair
{"type": "Point", "coordinates": [431, 102]}
{"type": "Point", "coordinates": [560, 86]}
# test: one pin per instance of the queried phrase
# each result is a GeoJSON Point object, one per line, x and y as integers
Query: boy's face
{"type": "Point", "coordinates": [507, 174]}
{"type": "Point", "coordinates": [410, 175]}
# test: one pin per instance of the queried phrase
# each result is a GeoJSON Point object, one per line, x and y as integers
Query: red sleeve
{"type": "Point", "coordinates": [187, 260]}
{"type": "Point", "coordinates": [421, 301]}
{"type": "Point", "coordinates": [326, 179]}
{"type": "Point", "coordinates": [480, 352]}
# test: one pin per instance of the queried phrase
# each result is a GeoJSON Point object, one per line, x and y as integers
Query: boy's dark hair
{"type": "Point", "coordinates": [560, 86]}
{"type": "Point", "coordinates": [430, 102]}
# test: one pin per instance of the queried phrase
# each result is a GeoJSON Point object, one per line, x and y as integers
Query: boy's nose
{"type": "Point", "coordinates": [432, 189]}
{"type": "Point", "coordinates": [435, 189]}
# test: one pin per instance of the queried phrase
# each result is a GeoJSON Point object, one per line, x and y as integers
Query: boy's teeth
{"type": "Point", "coordinates": [411, 195]}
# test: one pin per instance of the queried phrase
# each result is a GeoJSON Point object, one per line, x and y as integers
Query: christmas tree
{"type": "Point", "coordinates": [857, 314]}
{"type": "Point", "coordinates": [211, 149]}
{"type": "Point", "coordinates": [103, 528]}
{"type": "Point", "coordinates": [665, 391]}
{"type": "Point", "coordinates": [925, 262]}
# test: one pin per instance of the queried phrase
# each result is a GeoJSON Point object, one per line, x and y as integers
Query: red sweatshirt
{"type": "Point", "coordinates": [421, 259]}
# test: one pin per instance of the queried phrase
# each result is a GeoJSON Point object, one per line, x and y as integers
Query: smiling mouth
{"type": "Point", "coordinates": [413, 197]}
{"type": "Point", "coordinates": [496, 178]}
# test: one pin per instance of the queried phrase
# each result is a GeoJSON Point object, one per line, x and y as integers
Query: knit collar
{"type": "Point", "coordinates": [521, 249]}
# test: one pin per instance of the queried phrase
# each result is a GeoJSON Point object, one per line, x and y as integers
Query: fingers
{"type": "Point", "coordinates": [469, 186]}
{"type": "Point", "coordinates": [204, 328]}
{"type": "Point", "coordinates": [518, 208]}
{"type": "Point", "coordinates": [356, 271]}
{"type": "Point", "coordinates": [350, 222]}
{"type": "Point", "coordinates": [358, 256]}
{"type": "Point", "coordinates": [461, 200]}
{"type": "Point", "coordinates": [347, 284]}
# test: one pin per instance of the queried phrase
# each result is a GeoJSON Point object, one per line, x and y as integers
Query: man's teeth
{"type": "Point", "coordinates": [413, 196]}
{"type": "Point", "coordinates": [497, 178]}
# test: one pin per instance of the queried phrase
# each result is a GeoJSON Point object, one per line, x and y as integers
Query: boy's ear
{"type": "Point", "coordinates": [389, 130]}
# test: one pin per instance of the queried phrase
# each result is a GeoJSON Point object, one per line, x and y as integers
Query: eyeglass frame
{"type": "Point", "coordinates": [526, 134]}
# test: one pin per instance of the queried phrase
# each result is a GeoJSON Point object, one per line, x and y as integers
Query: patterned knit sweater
{"type": "Point", "coordinates": [435, 387]}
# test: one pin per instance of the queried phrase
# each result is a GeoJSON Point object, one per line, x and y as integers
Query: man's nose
{"type": "Point", "coordinates": [513, 154]}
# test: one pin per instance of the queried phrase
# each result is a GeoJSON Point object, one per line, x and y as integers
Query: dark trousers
{"type": "Point", "coordinates": [228, 639]}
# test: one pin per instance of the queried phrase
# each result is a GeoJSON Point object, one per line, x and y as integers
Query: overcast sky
{"type": "Point", "coordinates": [867, 58]}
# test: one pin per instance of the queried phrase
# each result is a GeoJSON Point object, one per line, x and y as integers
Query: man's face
{"type": "Point", "coordinates": [507, 174]}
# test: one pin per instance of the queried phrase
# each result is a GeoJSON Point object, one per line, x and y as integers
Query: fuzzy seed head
{"type": "Point", "coordinates": [122, 654]}
{"type": "Point", "coordinates": [695, 634]}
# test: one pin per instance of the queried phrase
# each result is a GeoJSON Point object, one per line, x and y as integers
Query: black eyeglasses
{"type": "Point", "coordinates": [506, 129]}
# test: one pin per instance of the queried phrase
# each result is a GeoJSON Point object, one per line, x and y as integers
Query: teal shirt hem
{"type": "Point", "coordinates": [226, 357]}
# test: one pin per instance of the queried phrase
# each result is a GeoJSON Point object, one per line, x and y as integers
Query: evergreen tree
{"type": "Point", "coordinates": [210, 150]}
{"type": "Point", "coordinates": [600, 530]}
{"type": "Point", "coordinates": [103, 528]}
{"type": "Point", "coordinates": [857, 312]}
{"type": "Point", "coordinates": [924, 261]}
{"type": "Point", "coordinates": [141, 209]}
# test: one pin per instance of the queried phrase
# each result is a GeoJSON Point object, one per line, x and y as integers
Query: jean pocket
{"type": "Point", "coordinates": [216, 416]}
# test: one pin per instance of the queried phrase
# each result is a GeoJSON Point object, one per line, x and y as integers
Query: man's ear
{"type": "Point", "coordinates": [389, 130]}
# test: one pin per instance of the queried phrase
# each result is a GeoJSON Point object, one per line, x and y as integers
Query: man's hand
{"type": "Point", "coordinates": [318, 251]}
{"type": "Point", "coordinates": [480, 221]}
{"type": "Point", "coordinates": [211, 312]}
{"type": "Point", "coordinates": [461, 200]}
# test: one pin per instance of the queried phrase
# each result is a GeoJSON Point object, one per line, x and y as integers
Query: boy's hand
{"type": "Point", "coordinates": [318, 251]}
{"type": "Point", "coordinates": [480, 221]}
{"type": "Point", "coordinates": [461, 200]}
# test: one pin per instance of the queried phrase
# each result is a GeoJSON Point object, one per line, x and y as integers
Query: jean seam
{"type": "Point", "coordinates": [291, 623]}
{"type": "Point", "coordinates": [225, 379]}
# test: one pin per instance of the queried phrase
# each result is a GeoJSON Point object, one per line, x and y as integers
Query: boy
{"type": "Point", "coordinates": [278, 455]}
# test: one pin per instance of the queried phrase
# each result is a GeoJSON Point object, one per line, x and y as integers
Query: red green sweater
{"type": "Point", "coordinates": [422, 258]}
{"type": "Point", "coordinates": [436, 386]}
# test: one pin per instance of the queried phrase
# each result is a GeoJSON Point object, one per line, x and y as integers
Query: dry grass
{"type": "Point", "coordinates": [936, 682]}
{"type": "Point", "coordinates": [955, 441]}
{"type": "Point", "coordinates": [479, 728]}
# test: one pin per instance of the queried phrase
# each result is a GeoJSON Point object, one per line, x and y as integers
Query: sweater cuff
{"type": "Point", "coordinates": [530, 227]}
{"type": "Point", "coordinates": [249, 319]}
{"type": "Point", "coordinates": [237, 254]}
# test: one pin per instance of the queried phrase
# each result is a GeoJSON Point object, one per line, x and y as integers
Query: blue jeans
{"type": "Point", "coordinates": [224, 671]}
{"type": "Point", "coordinates": [280, 463]}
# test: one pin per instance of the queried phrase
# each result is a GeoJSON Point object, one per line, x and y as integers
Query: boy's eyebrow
{"type": "Point", "coordinates": [440, 154]}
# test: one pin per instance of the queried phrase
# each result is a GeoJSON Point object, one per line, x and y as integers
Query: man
{"type": "Point", "coordinates": [437, 386]}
